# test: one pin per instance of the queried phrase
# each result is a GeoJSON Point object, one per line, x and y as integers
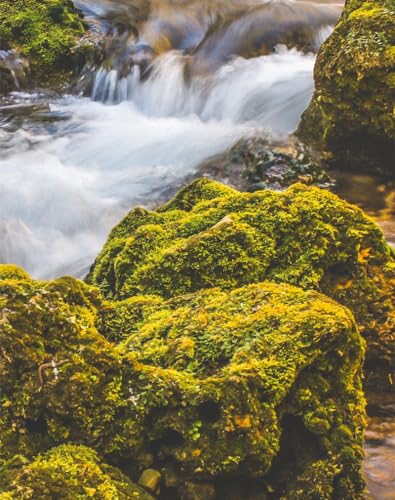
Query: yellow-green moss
{"type": "Point", "coordinates": [44, 31]}
{"type": "Point", "coordinates": [207, 384]}
{"type": "Point", "coordinates": [351, 114]}
{"type": "Point", "coordinates": [69, 472]}
{"type": "Point", "coordinates": [304, 236]}
{"type": "Point", "coordinates": [10, 271]}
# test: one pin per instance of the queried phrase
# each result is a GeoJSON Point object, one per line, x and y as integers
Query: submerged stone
{"type": "Point", "coordinates": [351, 114]}
{"type": "Point", "coordinates": [262, 384]}
{"type": "Point", "coordinates": [212, 236]}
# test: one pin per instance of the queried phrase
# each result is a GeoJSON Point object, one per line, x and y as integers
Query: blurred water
{"type": "Point", "coordinates": [63, 187]}
{"type": "Point", "coordinates": [180, 81]}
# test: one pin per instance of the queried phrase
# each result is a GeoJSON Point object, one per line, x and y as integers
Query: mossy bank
{"type": "Point", "coordinates": [44, 31]}
{"type": "Point", "coordinates": [351, 114]}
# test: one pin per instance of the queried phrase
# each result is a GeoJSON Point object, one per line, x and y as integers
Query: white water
{"type": "Point", "coordinates": [62, 191]}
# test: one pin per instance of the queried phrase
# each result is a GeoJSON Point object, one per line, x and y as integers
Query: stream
{"type": "Point", "coordinates": [198, 77]}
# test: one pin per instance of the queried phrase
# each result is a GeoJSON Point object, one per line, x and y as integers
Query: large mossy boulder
{"type": "Point", "coordinates": [253, 393]}
{"type": "Point", "coordinates": [351, 114]}
{"type": "Point", "coordinates": [69, 472]}
{"type": "Point", "coordinates": [44, 31]}
{"type": "Point", "coordinates": [210, 235]}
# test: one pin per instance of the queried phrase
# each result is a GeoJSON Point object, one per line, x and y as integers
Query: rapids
{"type": "Point", "coordinates": [69, 174]}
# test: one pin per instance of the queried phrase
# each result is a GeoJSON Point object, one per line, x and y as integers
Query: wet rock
{"type": "Point", "coordinates": [171, 478]}
{"type": "Point", "coordinates": [23, 109]}
{"type": "Point", "coordinates": [350, 117]}
{"type": "Point", "coordinates": [303, 236]}
{"type": "Point", "coordinates": [253, 164]}
{"type": "Point", "coordinates": [44, 33]}
{"type": "Point", "coordinates": [150, 480]}
{"type": "Point", "coordinates": [14, 71]}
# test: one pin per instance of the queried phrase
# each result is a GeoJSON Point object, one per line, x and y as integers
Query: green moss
{"type": "Point", "coordinates": [117, 320]}
{"type": "Point", "coordinates": [10, 271]}
{"type": "Point", "coordinates": [351, 114]}
{"type": "Point", "coordinates": [303, 236]}
{"type": "Point", "coordinates": [41, 322]}
{"type": "Point", "coordinates": [44, 31]}
{"type": "Point", "coordinates": [204, 385]}
{"type": "Point", "coordinates": [69, 472]}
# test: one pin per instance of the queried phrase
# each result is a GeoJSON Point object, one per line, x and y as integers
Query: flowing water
{"type": "Point", "coordinates": [179, 81]}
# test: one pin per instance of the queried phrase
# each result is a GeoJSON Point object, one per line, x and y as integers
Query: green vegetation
{"type": "Point", "coordinates": [222, 238]}
{"type": "Point", "coordinates": [351, 114]}
{"type": "Point", "coordinates": [262, 383]}
{"type": "Point", "coordinates": [68, 472]}
{"type": "Point", "coordinates": [207, 353]}
{"type": "Point", "coordinates": [44, 31]}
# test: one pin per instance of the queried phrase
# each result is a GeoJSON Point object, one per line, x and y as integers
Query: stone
{"type": "Point", "coordinates": [198, 491]}
{"type": "Point", "coordinates": [303, 236]}
{"type": "Point", "coordinates": [150, 480]}
{"type": "Point", "coordinates": [350, 119]}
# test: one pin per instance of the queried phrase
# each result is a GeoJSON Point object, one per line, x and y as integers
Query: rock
{"type": "Point", "coordinates": [14, 70]}
{"type": "Point", "coordinates": [198, 491]}
{"type": "Point", "coordinates": [252, 164]}
{"type": "Point", "coordinates": [304, 236]}
{"type": "Point", "coordinates": [170, 475]}
{"type": "Point", "coordinates": [350, 117]}
{"type": "Point", "coordinates": [10, 271]}
{"type": "Point", "coordinates": [150, 480]}
{"type": "Point", "coordinates": [23, 109]}
{"type": "Point", "coordinates": [260, 383]}
{"type": "Point", "coordinates": [69, 472]}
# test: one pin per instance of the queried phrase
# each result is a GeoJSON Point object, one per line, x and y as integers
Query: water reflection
{"type": "Point", "coordinates": [379, 465]}
{"type": "Point", "coordinates": [375, 195]}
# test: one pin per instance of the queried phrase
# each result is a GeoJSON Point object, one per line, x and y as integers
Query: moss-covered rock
{"type": "Point", "coordinates": [351, 114]}
{"type": "Point", "coordinates": [210, 235]}
{"type": "Point", "coordinates": [53, 364]}
{"type": "Point", "coordinates": [262, 384]}
{"type": "Point", "coordinates": [69, 472]}
{"type": "Point", "coordinates": [44, 31]}
{"type": "Point", "coordinates": [11, 271]}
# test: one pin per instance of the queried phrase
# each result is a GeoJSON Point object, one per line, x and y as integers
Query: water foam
{"type": "Point", "coordinates": [63, 188]}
